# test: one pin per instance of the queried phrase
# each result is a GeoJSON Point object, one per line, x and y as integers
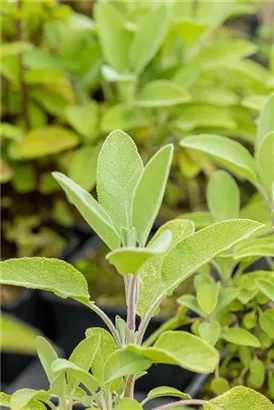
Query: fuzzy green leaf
{"type": "Point", "coordinates": [128, 404]}
{"type": "Point", "coordinates": [82, 169]}
{"type": "Point", "coordinates": [65, 366]}
{"type": "Point", "coordinates": [114, 38]}
{"type": "Point", "coordinates": [123, 363]}
{"type": "Point", "coordinates": [21, 398]}
{"type": "Point", "coordinates": [225, 297]}
{"type": "Point", "coordinates": [165, 391]}
{"type": "Point", "coordinates": [124, 117]}
{"type": "Point", "coordinates": [195, 250]}
{"type": "Point", "coordinates": [257, 247]}
{"type": "Point", "coordinates": [266, 321]}
{"type": "Point", "coordinates": [52, 275]}
{"type": "Point", "coordinates": [84, 119]}
{"type": "Point", "coordinates": [207, 296]}
{"type": "Point", "coordinates": [240, 337]}
{"type": "Point", "coordinates": [147, 42]}
{"type": "Point", "coordinates": [240, 398]}
{"type": "Point", "coordinates": [149, 192]}
{"type": "Point", "coordinates": [223, 197]}
{"type": "Point", "coordinates": [48, 140]}
{"type": "Point", "coordinates": [191, 303]}
{"type": "Point", "coordinates": [119, 168]}
{"type": "Point", "coordinates": [161, 93]}
{"type": "Point", "coordinates": [229, 153]}
{"type": "Point", "coordinates": [266, 288]}
{"type": "Point", "coordinates": [4, 400]}
{"type": "Point", "coordinates": [173, 347]}
{"type": "Point", "coordinates": [266, 121]}
{"type": "Point", "coordinates": [264, 158]}
{"type": "Point", "coordinates": [47, 356]}
{"type": "Point", "coordinates": [256, 373]}
{"type": "Point", "coordinates": [210, 332]}
{"type": "Point", "coordinates": [89, 208]}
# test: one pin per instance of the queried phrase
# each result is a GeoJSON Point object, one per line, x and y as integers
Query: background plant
{"type": "Point", "coordinates": [174, 253]}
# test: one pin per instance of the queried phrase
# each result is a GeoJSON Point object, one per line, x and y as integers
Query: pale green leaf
{"type": "Point", "coordinates": [47, 356]}
{"type": "Point", "coordinates": [226, 151]}
{"type": "Point", "coordinates": [150, 191]}
{"type": "Point", "coordinates": [240, 337]}
{"type": "Point", "coordinates": [266, 121]}
{"type": "Point", "coordinates": [113, 76]}
{"type": "Point", "coordinates": [146, 41]}
{"type": "Point", "coordinates": [165, 391]}
{"type": "Point", "coordinates": [207, 296]}
{"type": "Point", "coordinates": [161, 93]}
{"type": "Point", "coordinates": [123, 117]}
{"type": "Point", "coordinates": [43, 76]}
{"type": "Point", "coordinates": [14, 48]}
{"type": "Point", "coordinates": [219, 385]}
{"type": "Point", "coordinates": [241, 398]}
{"type": "Point", "coordinates": [200, 219]}
{"type": "Point", "coordinates": [256, 248]}
{"type": "Point", "coordinates": [123, 363]}
{"type": "Point", "coordinates": [119, 168]}
{"type": "Point", "coordinates": [191, 303]}
{"type": "Point", "coordinates": [210, 332]}
{"type": "Point", "coordinates": [151, 285]}
{"type": "Point", "coordinates": [173, 347]}
{"type": "Point", "coordinates": [266, 321]}
{"type": "Point", "coordinates": [49, 140]}
{"type": "Point", "coordinates": [91, 211]}
{"type": "Point", "coordinates": [83, 356]}
{"type": "Point", "coordinates": [4, 400]}
{"type": "Point", "coordinates": [82, 169]}
{"type": "Point", "coordinates": [65, 366]}
{"type": "Point", "coordinates": [21, 398]}
{"type": "Point", "coordinates": [11, 132]}
{"type": "Point", "coordinates": [52, 275]}
{"type": "Point", "coordinates": [115, 40]}
{"type": "Point", "coordinates": [106, 347]}
{"type": "Point", "coordinates": [128, 404]}
{"type": "Point", "coordinates": [84, 119]}
{"type": "Point", "coordinates": [16, 336]}
{"type": "Point", "coordinates": [264, 158]}
{"type": "Point", "coordinates": [225, 297]}
{"type": "Point", "coordinates": [223, 196]}
{"type": "Point", "coordinates": [266, 288]}
{"type": "Point", "coordinates": [256, 375]}
{"type": "Point", "coordinates": [195, 250]}
{"type": "Point", "coordinates": [257, 102]}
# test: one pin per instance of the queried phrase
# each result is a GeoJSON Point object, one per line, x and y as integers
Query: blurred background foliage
{"type": "Point", "coordinates": [72, 71]}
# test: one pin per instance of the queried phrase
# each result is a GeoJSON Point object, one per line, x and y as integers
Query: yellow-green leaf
{"type": "Point", "coordinates": [161, 93]}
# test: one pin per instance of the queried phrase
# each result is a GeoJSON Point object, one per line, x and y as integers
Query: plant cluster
{"type": "Point", "coordinates": [69, 79]}
{"type": "Point", "coordinates": [129, 198]}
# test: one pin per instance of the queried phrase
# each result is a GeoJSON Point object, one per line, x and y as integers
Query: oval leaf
{"type": "Point", "coordinates": [52, 275]}
{"type": "Point", "coordinates": [47, 356]}
{"type": "Point", "coordinates": [149, 192]}
{"type": "Point", "coordinates": [161, 93]}
{"type": "Point", "coordinates": [267, 288]}
{"type": "Point", "coordinates": [165, 391]}
{"type": "Point", "coordinates": [21, 398]}
{"type": "Point", "coordinates": [84, 119]}
{"type": "Point", "coordinates": [223, 197]}
{"type": "Point", "coordinates": [264, 158]}
{"type": "Point", "coordinates": [207, 296]}
{"type": "Point", "coordinates": [240, 337]}
{"type": "Point", "coordinates": [82, 169]}
{"type": "Point", "coordinates": [129, 260]}
{"type": "Point", "coordinates": [228, 152]}
{"type": "Point", "coordinates": [91, 211]}
{"type": "Point", "coordinates": [127, 403]}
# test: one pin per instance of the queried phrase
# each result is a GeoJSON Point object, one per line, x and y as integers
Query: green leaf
{"type": "Point", "coordinates": [240, 398]}
{"type": "Point", "coordinates": [82, 169]}
{"type": "Point", "coordinates": [123, 117]}
{"type": "Point", "coordinates": [207, 296]}
{"type": "Point", "coordinates": [266, 288]}
{"type": "Point", "coordinates": [173, 347]}
{"type": "Point", "coordinates": [43, 76]}
{"type": "Point", "coordinates": [4, 400]}
{"type": "Point", "coordinates": [14, 48]}
{"type": "Point", "coordinates": [256, 373]}
{"type": "Point", "coordinates": [266, 321]}
{"type": "Point", "coordinates": [240, 337]}
{"type": "Point", "coordinates": [83, 356]}
{"type": "Point", "coordinates": [11, 132]}
{"type": "Point", "coordinates": [219, 385]}
{"type": "Point", "coordinates": [147, 42]}
{"type": "Point", "coordinates": [223, 197]}
{"type": "Point", "coordinates": [266, 121]}
{"type": "Point", "coordinates": [115, 40]}
{"type": "Point", "coordinates": [165, 391]}
{"type": "Point", "coordinates": [258, 247]}
{"type": "Point", "coordinates": [123, 363]}
{"type": "Point", "coordinates": [21, 398]}
{"type": "Point", "coordinates": [47, 356]}
{"type": "Point", "coordinates": [130, 260]}
{"type": "Point", "coordinates": [49, 140]}
{"type": "Point", "coordinates": [16, 336]}
{"type": "Point", "coordinates": [256, 102]}
{"type": "Point", "coordinates": [119, 168]}
{"type": "Point", "coordinates": [65, 366]}
{"type": "Point", "coordinates": [191, 303]}
{"type": "Point", "coordinates": [6, 172]}
{"type": "Point", "coordinates": [225, 297]}
{"type": "Point", "coordinates": [84, 119]}
{"type": "Point", "coordinates": [161, 93]}
{"type": "Point", "coordinates": [210, 332]}
{"type": "Point", "coordinates": [52, 275]}
{"type": "Point", "coordinates": [150, 191]}
{"type": "Point", "coordinates": [106, 347]}
{"type": "Point", "coordinates": [126, 404]}
{"type": "Point", "coordinates": [151, 285]}
{"type": "Point", "coordinates": [264, 158]}
{"type": "Point", "coordinates": [194, 251]}
{"type": "Point", "coordinates": [226, 151]}
{"type": "Point", "coordinates": [200, 219]}
{"type": "Point", "coordinates": [91, 211]}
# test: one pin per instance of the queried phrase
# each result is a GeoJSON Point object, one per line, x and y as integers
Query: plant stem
{"type": "Point", "coordinates": [108, 322]}
{"type": "Point", "coordinates": [131, 308]}
{"type": "Point", "coordinates": [146, 319]}
{"type": "Point", "coordinates": [181, 403]}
